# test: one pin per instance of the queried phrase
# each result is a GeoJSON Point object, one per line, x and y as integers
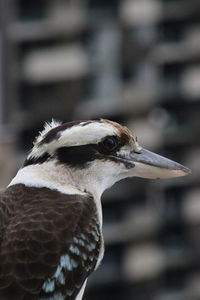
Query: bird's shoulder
{"type": "Point", "coordinates": [51, 242]}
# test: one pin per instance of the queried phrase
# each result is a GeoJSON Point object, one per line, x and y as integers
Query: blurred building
{"type": "Point", "coordinates": [132, 61]}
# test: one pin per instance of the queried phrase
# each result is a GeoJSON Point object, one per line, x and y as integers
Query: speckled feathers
{"type": "Point", "coordinates": [50, 242]}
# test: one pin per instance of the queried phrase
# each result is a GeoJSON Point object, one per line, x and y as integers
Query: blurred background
{"type": "Point", "coordinates": [132, 61]}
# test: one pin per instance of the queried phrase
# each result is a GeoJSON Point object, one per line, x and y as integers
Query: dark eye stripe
{"type": "Point", "coordinates": [77, 156]}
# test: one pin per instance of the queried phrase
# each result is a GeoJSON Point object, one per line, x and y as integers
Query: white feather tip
{"type": "Point", "coordinates": [47, 127]}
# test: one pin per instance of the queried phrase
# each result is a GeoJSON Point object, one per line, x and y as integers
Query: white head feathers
{"type": "Point", "coordinates": [47, 127]}
{"type": "Point", "coordinates": [79, 133]}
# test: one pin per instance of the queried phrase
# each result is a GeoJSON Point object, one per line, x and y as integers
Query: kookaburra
{"type": "Point", "coordinates": [50, 214]}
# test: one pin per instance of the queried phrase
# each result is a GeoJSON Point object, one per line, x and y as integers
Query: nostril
{"type": "Point", "coordinates": [138, 151]}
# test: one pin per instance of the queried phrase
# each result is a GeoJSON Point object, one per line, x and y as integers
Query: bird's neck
{"type": "Point", "coordinates": [65, 180]}
{"type": "Point", "coordinates": [46, 175]}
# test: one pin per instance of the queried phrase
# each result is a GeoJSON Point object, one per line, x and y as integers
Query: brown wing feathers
{"type": "Point", "coordinates": [50, 242]}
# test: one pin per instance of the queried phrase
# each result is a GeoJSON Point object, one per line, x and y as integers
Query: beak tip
{"type": "Point", "coordinates": [186, 171]}
{"type": "Point", "coordinates": [181, 171]}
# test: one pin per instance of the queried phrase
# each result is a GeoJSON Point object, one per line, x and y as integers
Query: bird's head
{"type": "Point", "coordinates": [97, 153]}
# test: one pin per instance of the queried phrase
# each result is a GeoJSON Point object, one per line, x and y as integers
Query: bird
{"type": "Point", "coordinates": [51, 215]}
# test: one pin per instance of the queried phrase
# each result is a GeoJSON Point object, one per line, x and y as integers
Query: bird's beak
{"type": "Point", "coordinates": [147, 164]}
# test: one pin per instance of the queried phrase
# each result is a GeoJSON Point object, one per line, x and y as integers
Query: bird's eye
{"type": "Point", "coordinates": [110, 143]}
